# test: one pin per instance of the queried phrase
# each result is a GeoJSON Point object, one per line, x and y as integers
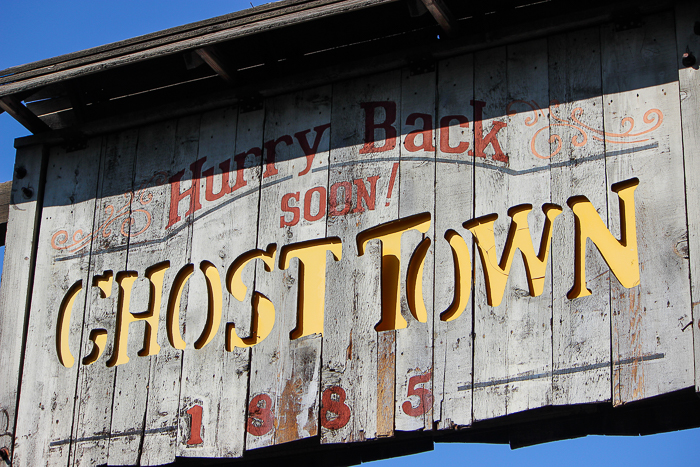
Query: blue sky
{"type": "Point", "coordinates": [32, 30]}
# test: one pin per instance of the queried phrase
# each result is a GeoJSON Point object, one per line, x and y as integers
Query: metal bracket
{"type": "Point", "coordinates": [627, 22]}
{"type": "Point", "coordinates": [75, 142]}
{"type": "Point", "coordinates": [251, 103]}
{"type": "Point", "coordinates": [421, 66]}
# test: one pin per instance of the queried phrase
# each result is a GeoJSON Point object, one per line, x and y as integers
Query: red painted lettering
{"type": "Point", "coordinates": [362, 194]}
{"type": "Point", "coordinates": [481, 141]}
{"type": "Point", "coordinates": [310, 152]}
{"type": "Point", "coordinates": [347, 199]}
{"type": "Point", "coordinates": [192, 192]}
{"type": "Point", "coordinates": [445, 134]}
{"type": "Point", "coordinates": [271, 151]}
{"type": "Point", "coordinates": [333, 402]}
{"type": "Point", "coordinates": [196, 425]}
{"type": "Point", "coordinates": [425, 397]}
{"type": "Point", "coordinates": [371, 126]}
{"type": "Point", "coordinates": [260, 415]}
{"type": "Point", "coordinates": [287, 208]}
{"type": "Point", "coordinates": [209, 194]}
{"type": "Point", "coordinates": [321, 204]}
{"type": "Point", "coordinates": [426, 133]}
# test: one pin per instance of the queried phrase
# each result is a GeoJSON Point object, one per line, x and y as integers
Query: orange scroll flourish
{"type": "Point", "coordinates": [628, 133]}
{"type": "Point", "coordinates": [129, 214]}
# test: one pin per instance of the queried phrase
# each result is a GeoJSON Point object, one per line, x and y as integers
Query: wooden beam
{"type": "Point", "coordinates": [443, 16]}
{"type": "Point", "coordinates": [5, 192]}
{"type": "Point", "coordinates": [13, 106]}
{"type": "Point", "coordinates": [76, 100]}
{"type": "Point", "coordinates": [218, 63]}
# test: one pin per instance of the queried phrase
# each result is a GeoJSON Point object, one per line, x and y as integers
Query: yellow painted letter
{"type": "Point", "coordinates": [463, 276]}
{"type": "Point", "coordinates": [621, 256]}
{"type": "Point", "coordinates": [390, 236]}
{"type": "Point", "coordinates": [63, 325]}
{"type": "Point", "coordinates": [495, 273]}
{"type": "Point", "coordinates": [263, 309]}
{"type": "Point", "coordinates": [155, 275]}
{"type": "Point", "coordinates": [312, 281]}
{"type": "Point", "coordinates": [173, 317]}
{"type": "Point", "coordinates": [211, 274]}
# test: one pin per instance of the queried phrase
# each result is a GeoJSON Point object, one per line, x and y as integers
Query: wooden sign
{"type": "Point", "coordinates": [412, 250]}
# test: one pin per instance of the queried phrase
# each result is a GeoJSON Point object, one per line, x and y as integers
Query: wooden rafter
{"type": "Point", "coordinates": [13, 106]}
{"type": "Point", "coordinates": [443, 16]}
{"type": "Point", "coordinates": [218, 63]}
{"type": "Point", "coordinates": [76, 101]}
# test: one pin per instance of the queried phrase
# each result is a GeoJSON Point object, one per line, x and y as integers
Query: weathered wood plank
{"type": "Point", "coordinates": [215, 380]}
{"type": "Point", "coordinates": [689, 83]}
{"type": "Point", "coordinates": [490, 333]}
{"type": "Point", "coordinates": [513, 354]}
{"type": "Point", "coordinates": [5, 201]}
{"type": "Point", "coordinates": [156, 144]}
{"type": "Point", "coordinates": [46, 405]}
{"type": "Point", "coordinates": [285, 369]}
{"type": "Point", "coordinates": [580, 327]}
{"type": "Point", "coordinates": [364, 192]}
{"type": "Point", "coordinates": [454, 195]}
{"type": "Point", "coordinates": [652, 354]}
{"type": "Point", "coordinates": [160, 429]}
{"type": "Point", "coordinates": [24, 203]}
{"type": "Point", "coordinates": [108, 255]}
{"type": "Point", "coordinates": [414, 343]}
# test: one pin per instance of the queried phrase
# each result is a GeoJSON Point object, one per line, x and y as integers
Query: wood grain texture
{"type": "Point", "coordinates": [563, 115]}
{"type": "Point", "coordinates": [651, 352]}
{"type": "Point", "coordinates": [17, 280]}
{"type": "Point", "coordinates": [356, 357]}
{"type": "Point", "coordinates": [203, 373]}
{"type": "Point", "coordinates": [5, 200]}
{"type": "Point", "coordinates": [213, 377]}
{"type": "Point", "coordinates": [416, 190]}
{"type": "Point", "coordinates": [513, 341]}
{"type": "Point", "coordinates": [689, 87]}
{"type": "Point", "coordinates": [156, 143]}
{"type": "Point", "coordinates": [46, 405]}
{"type": "Point", "coordinates": [580, 327]}
{"type": "Point", "coordinates": [454, 195]}
{"type": "Point", "coordinates": [162, 410]}
{"type": "Point", "coordinates": [288, 371]}
{"type": "Point", "coordinates": [95, 387]}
